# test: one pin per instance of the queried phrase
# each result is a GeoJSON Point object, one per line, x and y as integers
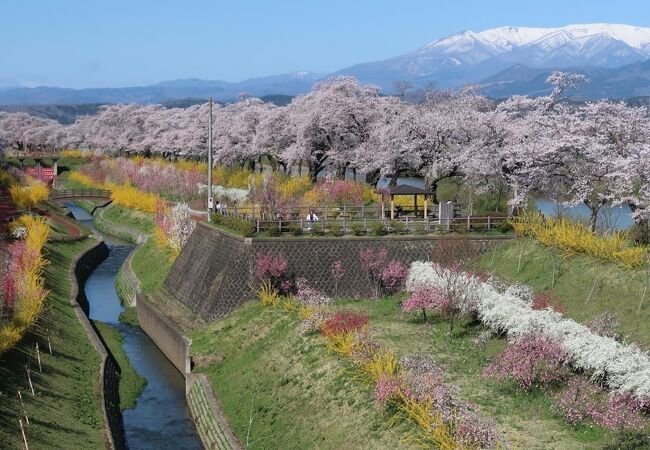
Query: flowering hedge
{"type": "Point", "coordinates": [624, 368]}
{"type": "Point", "coordinates": [576, 238]}
{"type": "Point", "coordinates": [23, 284]}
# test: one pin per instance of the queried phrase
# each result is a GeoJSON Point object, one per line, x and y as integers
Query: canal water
{"type": "Point", "coordinates": [160, 419]}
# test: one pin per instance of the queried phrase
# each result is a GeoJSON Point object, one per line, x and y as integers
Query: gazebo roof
{"type": "Point", "coordinates": [407, 189]}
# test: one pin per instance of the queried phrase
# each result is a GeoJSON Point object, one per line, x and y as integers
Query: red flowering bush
{"type": "Point", "coordinates": [530, 360]}
{"type": "Point", "coordinates": [548, 299]}
{"type": "Point", "coordinates": [9, 291]}
{"type": "Point", "coordinates": [344, 322]}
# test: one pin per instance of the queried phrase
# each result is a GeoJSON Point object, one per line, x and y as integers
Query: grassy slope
{"type": "Point", "coordinates": [137, 220]}
{"type": "Point", "coordinates": [66, 410]}
{"type": "Point", "coordinates": [523, 419]}
{"type": "Point", "coordinates": [302, 396]}
{"type": "Point", "coordinates": [617, 290]}
{"type": "Point", "coordinates": [131, 384]}
{"type": "Point", "coordinates": [151, 265]}
{"type": "Point", "coordinates": [305, 397]}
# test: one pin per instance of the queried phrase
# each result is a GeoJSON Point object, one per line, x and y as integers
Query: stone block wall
{"type": "Point", "coordinates": [215, 271]}
{"type": "Point", "coordinates": [211, 426]}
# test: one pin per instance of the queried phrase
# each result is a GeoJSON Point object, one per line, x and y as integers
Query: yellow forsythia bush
{"type": "Point", "coordinates": [70, 153]}
{"type": "Point", "coordinates": [132, 197]}
{"type": "Point", "coordinates": [24, 280]}
{"type": "Point", "coordinates": [86, 180]}
{"type": "Point", "coordinates": [6, 179]}
{"type": "Point", "coordinates": [576, 238]}
{"type": "Point", "coordinates": [25, 197]}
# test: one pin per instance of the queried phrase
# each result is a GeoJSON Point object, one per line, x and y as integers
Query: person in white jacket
{"type": "Point", "coordinates": [311, 218]}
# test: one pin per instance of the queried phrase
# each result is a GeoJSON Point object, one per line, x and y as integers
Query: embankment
{"type": "Point", "coordinates": [214, 272]}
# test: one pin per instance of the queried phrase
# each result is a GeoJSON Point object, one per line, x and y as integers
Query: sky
{"type": "Point", "coordinates": [115, 43]}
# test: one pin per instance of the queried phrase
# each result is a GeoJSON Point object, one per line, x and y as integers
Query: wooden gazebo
{"type": "Point", "coordinates": [407, 189]}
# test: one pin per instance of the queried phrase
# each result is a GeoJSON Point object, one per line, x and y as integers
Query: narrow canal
{"type": "Point", "coordinates": [160, 419]}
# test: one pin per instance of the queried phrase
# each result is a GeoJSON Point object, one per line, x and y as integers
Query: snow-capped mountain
{"type": "Point", "coordinates": [470, 56]}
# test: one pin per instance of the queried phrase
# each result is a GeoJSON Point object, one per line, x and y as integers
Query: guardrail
{"type": "Point", "coordinates": [72, 193]}
{"type": "Point", "coordinates": [344, 224]}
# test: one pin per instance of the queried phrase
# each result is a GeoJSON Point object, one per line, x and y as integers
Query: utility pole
{"type": "Point", "coordinates": [210, 199]}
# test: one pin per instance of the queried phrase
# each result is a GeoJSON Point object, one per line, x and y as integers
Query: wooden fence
{"type": "Point", "coordinates": [346, 223]}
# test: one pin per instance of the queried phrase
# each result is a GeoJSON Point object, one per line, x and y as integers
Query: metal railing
{"type": "Point", "coordinates": [71, 193]}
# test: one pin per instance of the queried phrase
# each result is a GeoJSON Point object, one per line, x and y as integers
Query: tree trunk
{"type": "Point", "coordinates": [372, 178]}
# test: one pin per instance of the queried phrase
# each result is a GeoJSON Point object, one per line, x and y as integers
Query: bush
{"type": "Point", "coordinates": [296, 229]}
{"type": "Point", "coordinates": [530, 360]}
{"type": "Point", "coordinates": [244, 227]}
{"type": "Point", "coordinates": [358, 229]}
{"type": "Point", "coordinates": [25, 197]}
{"type": "Point", "coordinates": [640, 233]}
{"type": "Point", "coordinates": [378, 229]}
{"type": "Point", "coordinates": [398, 227]}
{"type": "Point", "coordinates": [575, 238]}
{"type": "Point", "coordinates": [343, 322]}
{"type": "Point", "coordinates": [335, 229]}
{"type": "Point", "coordinates": [274, 231]}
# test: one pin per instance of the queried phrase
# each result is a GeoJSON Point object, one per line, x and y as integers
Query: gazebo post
{"type": "Point", "coordinates": [425, 208]}
{"type": "Point", "coordinates": [392, 208]}
{"type": "Point", "coordinates": [415, 204]}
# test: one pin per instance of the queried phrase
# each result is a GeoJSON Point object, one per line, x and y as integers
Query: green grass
{"type": "Point", "coordinates": [301, 395]}
{"type": "Point", "coordinates": [615, 289]}
{"type": "Point", "coordinates": [151, 265]}
{"type": "Point", "coordinates": [137, 220]}
{"type": "Point", "coordinates": [131, 384]}
{"type": "Point", "coordinates": [130, 316]}
{"type": "Point", "coordinates": [65, 413]}
{"type": "Point", "coordinates": [305, 397]}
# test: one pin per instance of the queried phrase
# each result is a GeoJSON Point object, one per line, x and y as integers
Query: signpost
{"type": "Point", "coordinates": [210, 199]}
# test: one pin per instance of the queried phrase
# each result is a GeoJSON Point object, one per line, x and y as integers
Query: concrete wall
{"type": "Point", "coordinates": [109, 372]}
{"type": "Point", "coordinates": [214, 272]}
{"type": "Point", "coordinates": [167, 337]}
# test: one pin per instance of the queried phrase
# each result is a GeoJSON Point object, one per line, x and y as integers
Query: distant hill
{"type": "Point", "coordinates": [503, 61]}
{"type": "Point", "coordinates": [64, 114]}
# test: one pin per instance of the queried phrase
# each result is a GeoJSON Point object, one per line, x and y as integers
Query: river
{"type": "Point", "coordinates": [160, 419]}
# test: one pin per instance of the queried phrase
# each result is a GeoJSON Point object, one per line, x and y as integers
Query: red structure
{"type": "Point", "coordinates": [45, 174]}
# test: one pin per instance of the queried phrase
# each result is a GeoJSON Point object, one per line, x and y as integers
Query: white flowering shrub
{"type": "Point", "coordinates": [232, 195]}
{"type": "Point", "coordinates": [174, 226]}
{"type": "Point", "coordinates": [19, 232]}
{"type": "Point", "coordinates": [624, 367]}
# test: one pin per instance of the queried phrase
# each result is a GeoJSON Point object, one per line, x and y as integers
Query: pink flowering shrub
{"type": "Point", "coordinates": [393, 276]}
{"type": "Point", "coordinates": [421, 299]}
{"type": "Point", "coordinates": [475, 431]}
{"type": "Point", "coordinates": [583, 400]}
{"type": "Point", "coordinates": [576, 401]}
{"type": "Point", "coordinates": [273, 268]}
{"type": "Point", "coordinates": [9, 293]}
{"type": "Point", "coordinates": [619, 411]}
{"type": "Point", "coordinates": [309, 296]}
{"type": "Point", "coordinates": [385, 274]}
{"type": "Point", "coordinates": [530, 360]}
{"type": "Point", "coordinates": [386, 389]}
{"type": "Point", "coordinates": [338, 193]}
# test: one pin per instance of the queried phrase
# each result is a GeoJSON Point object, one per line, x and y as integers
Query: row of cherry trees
{"type": "Point", "coordinates": [591, 153]}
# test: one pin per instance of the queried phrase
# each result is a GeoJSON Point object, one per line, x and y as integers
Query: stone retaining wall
{"type": "Point", "coordinates": [211, 425]}
{"type": "Point", "coordinates": [214, 272]}
{"type": "Point", "coordinates": [109, 372]}
{"type": "Point", "coordinates": [125, 233]}
{"type": "Point", "coordinates": [127, 284]}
